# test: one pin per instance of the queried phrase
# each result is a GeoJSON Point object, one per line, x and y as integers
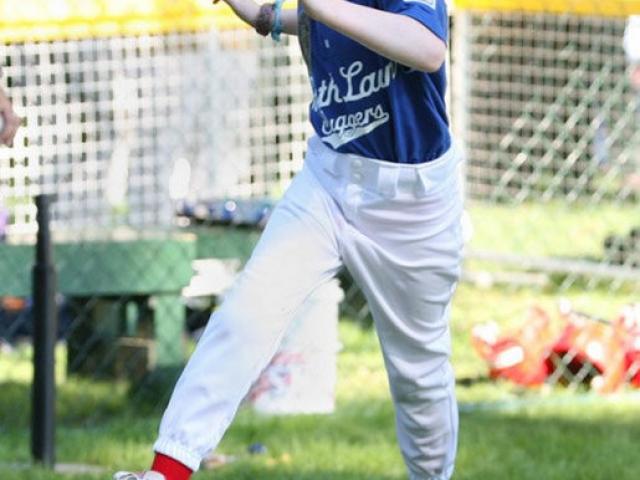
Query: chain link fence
{"type": "Point", "coordinates": [118, 128]}
{"type": "Point", "coordinates": [166, 144]}
{"type": "Point", "coordinates": [546, 106]}
{"type": "Point", "coordinates": [553, 95]}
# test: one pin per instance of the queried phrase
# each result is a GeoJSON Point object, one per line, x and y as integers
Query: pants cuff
{"type": "Point", "coordinates": [178, 452]}
{"type": "Point", "coordinates": [423, 476]}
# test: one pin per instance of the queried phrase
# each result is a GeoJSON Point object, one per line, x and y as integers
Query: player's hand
{"type": "Point", "coordinates": [635, 77]}
{"type": "Point", "coordinates": [11, 122]}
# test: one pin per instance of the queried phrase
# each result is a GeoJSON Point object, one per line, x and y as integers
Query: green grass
{"type": "Point", "coordinates": [556, 228]}
{"type": "Point", "coordinates": [506, 433]}
{"type": "Point", "coordinates": [550, 229]}
{"type": "Point", "coordinates": [573, 231]}
{"type": "Point", "coordinates": [561, 436]}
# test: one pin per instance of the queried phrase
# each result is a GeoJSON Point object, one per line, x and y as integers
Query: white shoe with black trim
{"type": "Point", "coordinates": [138, 476]}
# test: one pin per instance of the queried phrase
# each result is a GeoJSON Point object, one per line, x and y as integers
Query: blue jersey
{"type": "Point", "coordinates": [366, 104]}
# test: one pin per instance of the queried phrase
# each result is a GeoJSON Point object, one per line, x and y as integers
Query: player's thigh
{"type": "Point", "coordinates": [296, 253]}
{"type": "Point", "coordinates": [409, 291]}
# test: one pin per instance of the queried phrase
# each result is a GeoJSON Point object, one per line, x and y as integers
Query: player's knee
{"type": "Point", "coordinates": [249, 320]}
{"type": "Point", "coordinates": [423, 387]}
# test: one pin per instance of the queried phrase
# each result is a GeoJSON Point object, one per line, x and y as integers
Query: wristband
{"type": "Point", "coordinates": [277, 23]}
{"type": "Point", "coordinates": [265, 20]}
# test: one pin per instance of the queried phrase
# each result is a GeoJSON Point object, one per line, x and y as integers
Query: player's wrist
{"type": "Point", "coordinates": [269, 20]}
{"type": "Point", "coordinates": [265, 19]}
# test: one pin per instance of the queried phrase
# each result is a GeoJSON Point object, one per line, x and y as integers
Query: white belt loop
{"type": "Point", "coordinates": [423, 182]}
{"type": "Point", "coordinates": [330, 159]}
{"type": "Point", "coordinates": [333, 163]}
{"type": "Point", "coordinates": [388, 180]}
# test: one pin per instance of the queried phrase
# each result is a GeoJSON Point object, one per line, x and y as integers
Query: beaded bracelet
{"type": "Point", "coordinates": [277, 23]}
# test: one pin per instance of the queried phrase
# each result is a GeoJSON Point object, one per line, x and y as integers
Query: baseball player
{"type": "Point", "coordinates": [378, 194]}
{"type": "Point", "coordinates": [9, 121]}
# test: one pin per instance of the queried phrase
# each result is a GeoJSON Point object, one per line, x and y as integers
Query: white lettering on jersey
{"type": "Point", "coordinates": [358, 85]}
{"type": "Point", "coordinates": [345, 128]}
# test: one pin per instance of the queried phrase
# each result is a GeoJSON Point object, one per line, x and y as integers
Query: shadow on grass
{"type": "Point", "coordinates": [571, 440]}
{"type": "Point", "coordinates": [231, 473]}
{"type": "Point", "coordinates": [279, 474]}
{"type": "Point", "coordinates": [77, 403]}
{"type": "Point", "coordinates": [81, 401]}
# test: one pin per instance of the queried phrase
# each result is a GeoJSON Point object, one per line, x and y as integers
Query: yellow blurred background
{"type": "Point", "coordinates": [33, 20]}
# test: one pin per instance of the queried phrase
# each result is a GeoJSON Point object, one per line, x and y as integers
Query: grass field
{"type": "Point", "coordinates": [506, 433]}
{"type": "Point", "coordinates": [555, 228]}
{"type": "Point", "coordinates": [525, 436]}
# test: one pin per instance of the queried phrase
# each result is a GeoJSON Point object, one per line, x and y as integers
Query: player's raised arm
{"type": "Point", "coordinates": [9, 121]}
{"type": "Point", "coordinates": [399, 37]}
{"type": "Point", "coordinates": [262, 17]}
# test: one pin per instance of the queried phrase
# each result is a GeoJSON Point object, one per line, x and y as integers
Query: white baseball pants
{"type": "Point", "coordinates": [397, 229]}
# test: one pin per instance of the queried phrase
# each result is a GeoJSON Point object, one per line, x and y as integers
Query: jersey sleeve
{"type": "Point", "coordinates": [430, 13]}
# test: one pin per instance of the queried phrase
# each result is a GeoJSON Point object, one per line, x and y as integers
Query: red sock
{"type": "Point", "coordinates": [170, 468]}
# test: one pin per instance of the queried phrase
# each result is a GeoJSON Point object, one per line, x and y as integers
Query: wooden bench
{"type": "Point", "coordinates": [116, 288]}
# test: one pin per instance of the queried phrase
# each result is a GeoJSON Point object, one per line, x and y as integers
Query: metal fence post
{"type": "Point", "coordinates": [44, 341]}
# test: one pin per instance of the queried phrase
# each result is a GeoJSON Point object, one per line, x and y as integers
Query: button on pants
{"type": "Point", "coordinates": [396, 228]}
